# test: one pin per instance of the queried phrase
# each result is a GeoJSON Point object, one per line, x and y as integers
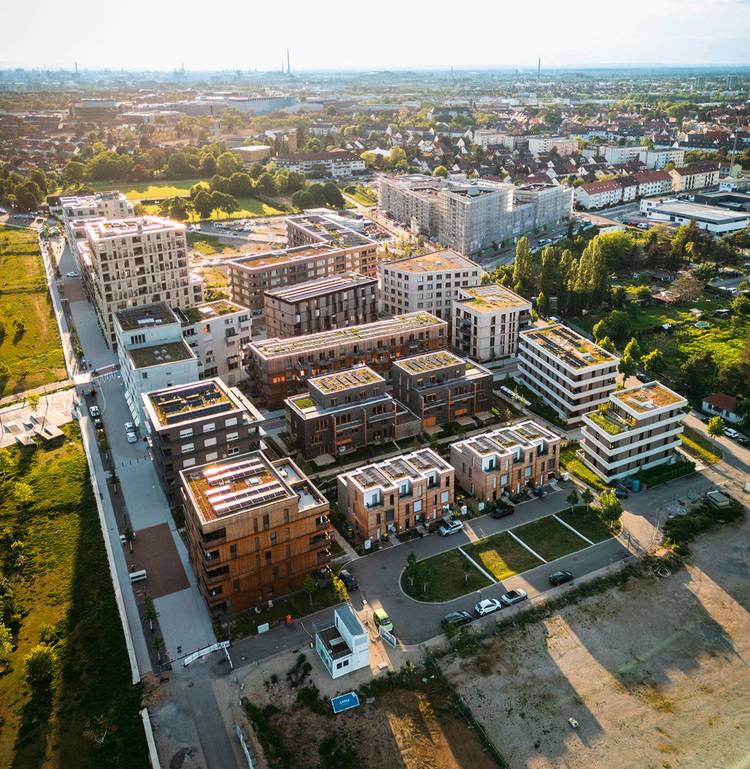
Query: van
{"type": "Point", "coordinates": [382, 620]}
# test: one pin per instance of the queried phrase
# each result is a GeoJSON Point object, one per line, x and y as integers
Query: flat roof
{"type": "Point", "coordinates": [185, 403]}
{"type": "Point", "coordinates": [430, 361]}
{"type": "Point", "coordinates": [568, 346]}
{"type": "Point", "coordinates": [146, 315]}
{"type": "Point", "coordinates": [435, 261]}
{"type": "Point", "coordinates": [133, 225]}
{"type": "Point", "coordinates": [329, 230]}
{"type": "Point", "coordinates": [160, 354]}
{"type": "Point", "coordinates": [284, 255]}
{"type": "Point", "coordinates": [506, 439]}
{"type": "Point", "coordinates": [647, 397]}
{"type": "Point", "coordinates": [209, 310]}
{"type": "Point", "coordinates": [386, 474]}
{"type": "Point", "coordinates": [413, 321]}
{"type": "Point", "coordinates": [490, 298]}
{"type": "Point", "coordinates": [697, 211]}
{"type": "Point", "coordinates": [344, 380]}
{"type": "Point", "coordinates": [310, 289]}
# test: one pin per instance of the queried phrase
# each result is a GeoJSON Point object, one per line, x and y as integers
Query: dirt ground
{"type": "Point", "coordinates": [654, 672]}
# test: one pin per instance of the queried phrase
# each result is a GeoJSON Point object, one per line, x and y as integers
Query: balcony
{"type": "Point", "coordinates": [323, 522]}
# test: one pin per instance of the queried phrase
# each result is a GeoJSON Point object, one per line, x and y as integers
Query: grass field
{"type": "Point", "coordinates": [248, 208]}
{"type": "Point", "coordinates": [575, 466]}
{"type": "Point", "coordinates": [63, 593]}
{"type": "Point", "coordinates": [447, 579]}
{"type": "Point", "coordinates": [549, 538]}
{"type": "Point", "coordinates": [587, 522]}
{"type": "Point", "coordinates": [208, 245]}
{"type": "Point", "coordinates": [30, 353]}
{"type": "Point", "coordinates": [502, 556]}
{"type": "Point", "coordinates": [153, 190]}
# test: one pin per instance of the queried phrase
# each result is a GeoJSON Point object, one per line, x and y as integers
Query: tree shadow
{"type": "Point", "coordinates": [30, 748]}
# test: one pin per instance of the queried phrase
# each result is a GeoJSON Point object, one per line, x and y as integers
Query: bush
{"type": "Point", "coordinates": [681, 530]}
{"type": "Point", "coordinates": [41, 665]}
{"type": "Point", "coordinates": [663, 473]}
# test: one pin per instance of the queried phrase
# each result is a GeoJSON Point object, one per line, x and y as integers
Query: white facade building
{"type": "Point", "coordinates": [110, 205]}
{"type": "Point", "coordinates": [599, 194]}
{"type": "Point", "coordinates": [639, 428]}
{"type": "Point", "coordinates": [696, 176]}
{"type": "Point", "coordinates": [152, 353]}
{"type": "Point", "coordinates": [487, 321]}
{"type": "Point", "coordinates": [569, 372]}
{"type": "Point", "coordinates": [344, 646]}
{"type": "Point", "coordinates": [713, 219]}
{"type": "Point", "coordinates": [617, 154]}
{"type": "Point", "coordinates": [658, 157]}
{"type": "Point", "coordinates": [563, 144]}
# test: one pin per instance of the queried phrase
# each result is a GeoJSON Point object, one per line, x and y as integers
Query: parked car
{"type": "Point", "coordinates": [456, 619]}
{"type": "Point", "coordinates": [98, 424]}
{"type": "Point", "coordinates": [94, 412]}
{"type": "Point", "coordinates": [129, 427]}
{"type": "Point", "coordinates": [71, 274]}
{"type": "Point", "coordinates": [560, 577]}
{"type": "Point", "coordinates": [730, 432]}
{"type": "Point", "coordinates": [451, 527]}
{"type": "Point", "coordinates": [487, 606]}
{"type": "Point", "coordinates": [621, 493]}
{"type": "Point", "coordinates": [502, 509]}
{"type": "Point", "coordinates": [349, 580]}
{"type": "Point", "coordinates": [132, 438]}
{"type": "Point", "coordinates": [513, 597]}
{"type": "Point", "coordinates": [382, 620]}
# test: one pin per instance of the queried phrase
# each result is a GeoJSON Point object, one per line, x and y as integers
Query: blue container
{"type": "Point", "coordinates": [635, 485]}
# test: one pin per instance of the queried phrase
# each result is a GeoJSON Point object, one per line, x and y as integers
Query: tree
{"type": "Point", "coordinates": [129, 535]}
{"type": "Point", "coordinates": [699, 374]}
{"type": "Point", "coordinates": [651, 361]}
{"type": "Point", "coordinates": [6, 644]}
{"type": "Point", "coordinates": [410, 570]}
{"type": "Point", "coordinates": [208, 165]}
{"type": "Point", "coordinates": [150, 612]}
{"type": "Point", "coordinates": [716, 427]}
{"type": "Point", "coordinates": [159, 646]}
{"type": "Point", "coordinates": [740, 305]}
{"type": "Point", "coordinates": [467, 567]}
{"type": "Point", "coordinates": [32, 400]}
{"type": "Point", "coordinates": [523, 268]}
{"type": "Point", "coordinates": [587, 497]}
{"type": "Point", "coordinates": [40, 665]}
{"type": "Point", "coordinates": [334, 198]}
{"type": "Point", "coordinates": [627, 366]}
{"type": "Point", "coordinates": [441, 171]}
{"type": "Point", "coordinates": [203, 204]}
{"type": "Point", "coordinates": [340, 589]}
{"type": "Point", "coordinates": [687, 288]}
{"type": "Point", "coordinates": [227, 164]}
{"type": "Point", "coordinates": [23, 493]}
{"type": "Point", "coordinates": [572, 498]}
{"type": "Point", "coordinates": [632, 349]}
{"type": "Point", "coordinates": [73, 174]}
{"type": "Point", "coordinates": [542, 303]}
{"type": "Point", "coordinates": [606, 344]}
{"type": "Point", "coordinates": [310, 586]}
{"type": "Point", "coordinates": [610, 508]}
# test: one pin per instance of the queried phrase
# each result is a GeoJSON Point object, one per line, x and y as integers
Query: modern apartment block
{"type": "Point", "coordinates": [318, 247]}
{"type": "Point", "coordinates": [506, 461]}
{"type": "Point", "coordinates": [217, 332]}
{"type": "Point", "coordinates": [487, 321]}
{"type": "Point", "coordinates": [134, 262]}
{"type": "Point", "coordinates": [563, 145]}
{"type": "Point", "coordinates": [152, 353]}
{"type": "Point", "coordinates": [322, 164]}
{"type": "Point", "coordinates": [439, 387]}
{"type": "Point", "coordinates": [345, 411]}
{"type": "Point", "coordinates": [469, 215]}
{"type": "Point", "coordinates": [336, 301]}
{"type": "Point", "coordinates": [396, 494]}
{"type": "Point", "coordinates": [197, 423]}
{"type": "Point", "coordinates": [109, 205]}
{"type": "Point", "coordinates": [695, 176]}
{"type": "Point", "coordinates": [256, 529]}
{"type": "Point", "coordinates": [637, 429]}
{"type": "Point", "coordinates": [429, 282]}
{"type": "Point", "coordinates": [279, 368]}
{"type": "Point", "coordinates": [569, 372]}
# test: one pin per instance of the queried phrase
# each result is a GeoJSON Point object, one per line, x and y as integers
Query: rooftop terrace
{"type": "Point", "coordinates": [314, 288]}
{"type": "Point", "coordinates": [415, 466]}
{"type": "Point", "coordinates": [329, 231]}
{"type": "Point", "coordinates": [414, 321]}
{"type": "Point", "coordinates": [431, 361]}
{"type": "Point", "coordinates": [283, 255]}
{"type": "Point", "coordinates": [569, 347]}
{"type": "Point", "coordinates": [645, 398]}
{"type": "Point", "coordinates": [196, 400]}
{"type": "Point", "coordinates": [491, 298]}
{"type": "Point", "coordinates": [208, 310]}
{"type": "Point", "coordinates": [160, 354]}
{"type": "Point", "coordinates": [146, 315]}
{"type": "Point", "coordinates": [505, 439]}
{"type": "Point", "coordinates": [135, 225]}
{"type": "Point", "coordinates": [344, 380]}
{"type": "Point", "coordinates": [433, 262]}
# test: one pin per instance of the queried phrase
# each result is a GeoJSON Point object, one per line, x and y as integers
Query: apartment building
{"type": "Point", "coordinates": [696, 176]}
{"type": "Point", "coordinates": [321, 164]}
{"type": "Point", "coordinates": [487, 321]}
{"type": "Point", "coordinates": [345, 411]}
{"type": "Point", "coordinates": [653, 183]}
{"type": "Point", "coordinates": [490, 137]}
{"type": "Point", "coordinates": [279, 368]}
{"type": "Point", "coordinates": [429, 282]}
{"type": "Point", "coordinates": [196, 423]}
{"type": "Point", "coordinates": [569, 372]}
{"type": "Point", "coordinates": [318, 248]}
{"type": "Point", "coordinates": [134, 262]}
{"type": "Point", "coordinates": [469, 215]}
{"type": "Point", "coordinates": [440, 388]}
{"type": "Point", "coordinates": [336, 301]}
{"type": "Point", "coordinates": [563, 145]}
{"type": "Point", "coordinates": [637, 429]}
{"type": "Point", "coordinates": [216, 332]}
{"type": "Point", "coordinates": [618, 154]}
{"type": "Point", "coordinates": [152, 353]}
{"type": "Point", "coordinates": [109, 205]}
{"type": "Point", "coordinates": [506, 461]}
{"type": "Point", "coordinates": [256, 529]}
{"type": "Point", "coordinates": [396, 494]}
{"type": "Point", "coordinates": [599, 194]}
{"type": "Point", "coordinates": [658, 157]}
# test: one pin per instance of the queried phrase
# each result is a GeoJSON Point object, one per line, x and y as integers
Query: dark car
{"type": "Point", "coordinates": [456, 619]}
{"type": "Point", "coordinates": [621, 493]}
{"type": "Point", "coordinates": [349, 580]}
{"type": "Point", "coordinates": [560, 577]}
{"type": "Point", "coordinates": [98, 424]}
{"type": "Point", "coordinates": [502, 510]}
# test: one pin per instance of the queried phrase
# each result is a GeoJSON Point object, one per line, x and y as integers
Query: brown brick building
{"type": "Point", "coordinates": [278, 368]}
{"type": "Point", "coordinates": [256, 529]}
{"type": "Point", "coordinates": [337, 301]}
{"type": "Point", "coordinates": [190, 425]}
{"type": "Point", "coordinates": [396, 494]}
{"type": "Point", "coordinates": [439, 387]}
{"type": "Point", "coordinates": [506, 461]}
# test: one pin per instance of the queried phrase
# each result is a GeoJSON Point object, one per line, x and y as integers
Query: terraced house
{"type": "Point", "coordinates": [396, 494]}
{"type": "Point", "coordinates": [279, 368]}
{"type": "Point", "coordinates": [637, 429]}
{"type": "Point", "coordinates": [439, 387]}
{"type": "Point", "coordinates": [345, 411]}
{"type": "Point", "coordinates": [506, 461]}
{"type": "Point", "coordinates": [568, 371]}
{"type": "Point", "coordinates": [256, 529]}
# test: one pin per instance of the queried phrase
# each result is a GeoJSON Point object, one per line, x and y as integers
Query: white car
{"type": "Point", "coordinates": [453, 527]}
{"type": "Point", "coordinates": [129, 427]}
{"type": "Point", "coordinates": [731, 433]}
{"type": "Point", "coordinates": [487, 606]}
{"type": "Point", "coordinates": [71, 274]}
{"type": "Point", "coordinates": [513, 596]}
{"type": "Point", "coordinates": [132, 438]}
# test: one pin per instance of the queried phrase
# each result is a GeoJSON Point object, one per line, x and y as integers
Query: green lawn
{"type": "Point", "coordinates": [153, 190]}
{"type": "Point", "coordinates": [208, 245]}
{"type": "Point", "coordinates": [699, 447]}
{"type": "Point", "coordinates": [587, 522]}
{"type": "Point", "coordinates": [63, 592]}
{"type": "Point", "coordinates": [447, 579]}
{"type": "Point", "coordinates": [248, 208]}
{"type": "Point", "coordinates": [575, 466]}
{"type": "Point", "coordinates": [550, 538]}
{"type": "Point", "coordinates": [30, 353]}
{"type": "Point", "coordinates": [502, 556]}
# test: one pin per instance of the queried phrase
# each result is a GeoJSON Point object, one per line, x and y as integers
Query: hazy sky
{"type": "Point", "coordinates": [162, 34]}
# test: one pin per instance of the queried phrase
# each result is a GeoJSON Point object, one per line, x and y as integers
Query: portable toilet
{"type": "Point", "coordinates": [635, 485]}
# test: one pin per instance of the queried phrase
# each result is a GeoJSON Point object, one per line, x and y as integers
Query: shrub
{"type": "Point", "coordinates": [41, 665]}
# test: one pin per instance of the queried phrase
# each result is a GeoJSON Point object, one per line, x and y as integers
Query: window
{"type": "Point", "coordinates": [189, 462]}
{"type": "Point", "coordinates": [187, 447]}
{"type": "Point", "coordinates": [445, 496]}
{"type": "Point", "coordinates": [233, 451]}
{"type": "Point", "coordinates": [231, 422]}
{"type": "Point", "coordinates": [209, 442]}
{"type": "Point", "coordinates": [186, 433]}
{"type": "Point", "coordinates": [232, 437]}
{"type": "Point", "coordinates": [211, 456]}
{"type": "Point", "coordinates": [209, 427]}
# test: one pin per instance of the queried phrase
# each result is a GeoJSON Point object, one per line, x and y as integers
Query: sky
{"type": "Point", "coordinates": [389, 34]}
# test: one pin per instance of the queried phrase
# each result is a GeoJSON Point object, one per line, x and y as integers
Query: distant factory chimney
{"type": "Point", "coordinates": [288, 65]}
{"type": "Point", "coordinates": [539, 69]}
